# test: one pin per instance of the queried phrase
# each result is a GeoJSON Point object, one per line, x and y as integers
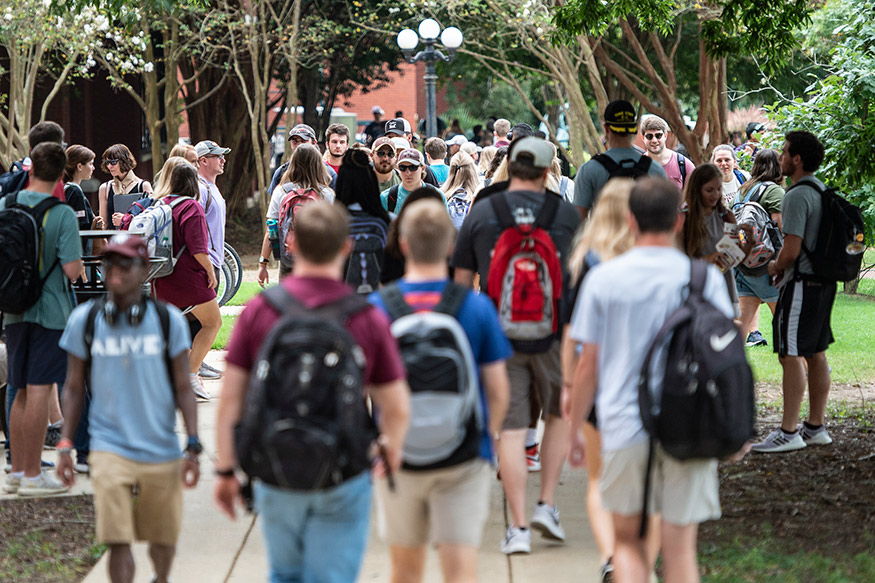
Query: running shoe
{"type": "Point", "coordinates": [199, 391]}
{"type": "Point", "coordinates": [53, 436]}
{"type": "Point", "coordinates": [778, 441]}
{"type": "Point", "coordinates": [756, 339]}
{"type": "Point", "coordinates": [546, 521]}
{"type": "Point", "coordinates": [207, 372]}
{"type": "Point", "coordinates": [533, 458]}
{"type": "Point", "coordinates": [606, 572]}
{"type": "Point", "coordinates": [518, 540]}
{"type": "Point", "coordinates": [81, 465]}
{"type": "Point", "coordinates": [814, 436]}
{"type": "Point", "coordinates": [12, 484]}
{"type": "Point", "coordinates": [42, 485]}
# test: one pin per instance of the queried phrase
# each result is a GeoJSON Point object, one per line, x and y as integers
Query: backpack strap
{"type": "Point", "coordinates": [502, 212]}
{"type": "Point", "coordinates": [392, 198]}
{"type": "Point", "coordinates": [281, 300]}
{"type": "Point", "coordinates": [164, 319]}
{"type": "Point", "coordinates": [548, 211]}
{"type": "Point", "coordinates": [394, 301]}
{"type": "Point", "coordinates": [608, 163]}
{"type": "Point", "coordinates": [739, 176]}
{"type": "Point", "coordinates": [284, 302]}
{"type": "Point", "coordinates": [643, 164]}
{"type": "Point", "coordinates": [698, 277]}
{"type": "Point", "coordinates": [682, 167]}
{"type": "Point", "coordinates": [452, 298]}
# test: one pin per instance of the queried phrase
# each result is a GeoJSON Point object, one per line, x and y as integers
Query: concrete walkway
{"type": "Point", "coordinates": [213, 549]}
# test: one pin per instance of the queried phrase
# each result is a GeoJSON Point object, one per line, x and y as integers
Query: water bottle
{"type": "Point", "coordinates": [274, 236]}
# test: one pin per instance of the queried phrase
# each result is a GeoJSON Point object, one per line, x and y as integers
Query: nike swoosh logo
{"type": "Point", "coordinates": [719, 343]}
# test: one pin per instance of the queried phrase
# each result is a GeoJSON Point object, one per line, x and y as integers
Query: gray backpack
{"type": "Point", "coordinates": [767, 236]}
{"type": "Point", "coordinates": [441, 372]}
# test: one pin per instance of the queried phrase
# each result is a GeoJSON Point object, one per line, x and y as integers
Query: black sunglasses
{"type": "Point", "coordinates": [111, 161]}
{"type": "Point", "coordinates": [385, 153]}
{"type": "Point", "coordinates": [657, 135]}
{"type": "Point", "coordinates": [407, 167]}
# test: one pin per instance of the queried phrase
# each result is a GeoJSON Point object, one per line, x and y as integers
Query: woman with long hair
{"type": "Point", "coordinates": [116, 195]}
{"type": "Point", "coordinates": [500, 155]}
{"type": "Point", "coordinates": [486, 157]}
{"type": "Point", "coordinates": [460, 187]}
{"type": "Point", "coordinates": [764, 188]}
{"type": "Point", "coordinates": [193, 281]}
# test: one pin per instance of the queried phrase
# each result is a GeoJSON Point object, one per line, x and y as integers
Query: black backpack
{"type": "Point", "coordinates": [707, 405]}
{"type": "Point", "coordinates": [841, 229]}
{"type": "Point", "coordinates": [14, 180]}
{"type": "Point", "coordinates": [369, 235]}
{"type": "Point", "coordinates": [626, 168]}
{"type": "Point", "coordinates": [21, 234]}
{"type": "Point", "coordinates": [304, 424]}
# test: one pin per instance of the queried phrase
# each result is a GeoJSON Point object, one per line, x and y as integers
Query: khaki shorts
{"type": "Point", "coordinates": [533, 376]}
{"type": "Point", "coordinates": [449, 505]}
{"type": "Point", "coordinates": [153, 514]}
{"type": "Point", "coordinates": [684, 492]}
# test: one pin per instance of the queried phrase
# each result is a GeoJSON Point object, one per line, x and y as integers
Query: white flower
{"type": "Point", "coordinates": [148, 67]}
{"type": "Point", "coordinates": [108, 56]}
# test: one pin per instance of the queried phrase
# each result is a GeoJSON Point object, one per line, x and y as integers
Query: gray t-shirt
{"type": "Point", "coordinates": [801, 212]}
{"type": "Point", "coordinates": [593, 176]}
{"type": "Point", "coordinates": [622, 305]}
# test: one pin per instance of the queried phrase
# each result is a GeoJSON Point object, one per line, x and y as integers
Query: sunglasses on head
{"type": "Point", "coordinates": [407, 167]}
{"type": "Point", "coordinates": [123, 263]}
{"type": "Point", "coordinates": [657, 135]}
{"type": "Point", "coordinates": [112, 161]}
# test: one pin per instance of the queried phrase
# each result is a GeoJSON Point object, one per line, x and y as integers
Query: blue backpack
{"type": "Point", "coordinates": [458, 206]}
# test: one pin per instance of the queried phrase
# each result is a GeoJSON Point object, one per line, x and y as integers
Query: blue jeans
{"type": "Point", "coordinates": [315, 537]}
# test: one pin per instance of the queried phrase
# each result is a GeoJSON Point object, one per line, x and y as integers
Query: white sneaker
{"type": "Point", "coordinates": [12, 484]}
{"type": "Point", "coordinates": [198, 387]}
{"type": "Point", "coordinates": [814, 436]}
{"type": "Point", "coordinates": [42, 485]}
{"type": "Point", "coordinates": [518, 540]}
{"type": "Point", "coordinates": [778, 441]}
{"type": "Point", "coordinates": [545, 520]}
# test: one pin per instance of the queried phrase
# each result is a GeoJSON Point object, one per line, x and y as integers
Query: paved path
{"type": "Point", "coordinates": [213, 549]}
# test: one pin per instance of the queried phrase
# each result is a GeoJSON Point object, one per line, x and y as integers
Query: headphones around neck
{"type": "Point", "coordinates": [135, 312]}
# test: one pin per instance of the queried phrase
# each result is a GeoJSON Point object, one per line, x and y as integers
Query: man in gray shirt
{"type": "Point", "coordinates": [801, 324]}
{"type": "Point", "coordinates": [621, 127]}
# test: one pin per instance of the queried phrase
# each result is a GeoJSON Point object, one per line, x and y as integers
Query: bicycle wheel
{"type": "Point", "coordinates": [225, 278]}
{"type": "Point", "coordinates": [232, 260]}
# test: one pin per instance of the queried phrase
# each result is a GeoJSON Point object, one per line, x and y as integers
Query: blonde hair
{"type": "Point", "coordinates": [486, 157]}
{"type": "Point", "coordinates": [463, 174]}
{"type": "Point", "coordinates": [501, 173]}
{"type": "Point", "coordinates": [428, 231]}
{"type": "Point", "coordinates": [183, 151]}
{"type": "Point", "coordinates": [607, 231]}
{"type": "Point", "coordinates": [163, 187]}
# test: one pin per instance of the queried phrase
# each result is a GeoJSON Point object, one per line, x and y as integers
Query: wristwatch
{"type": "Point", "coordinates": [194, 445]}
{"type": "Point", "coordinates": [262, 260]}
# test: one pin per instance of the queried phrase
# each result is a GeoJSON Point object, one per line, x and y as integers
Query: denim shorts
{"type": "Point", "coordinates": [757, 287]}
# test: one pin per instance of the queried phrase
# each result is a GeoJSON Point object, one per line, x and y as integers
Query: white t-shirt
{"type": "Point", "coordinates": [622, 305]}
{"type": "Point", "coordinates": [278, 194]}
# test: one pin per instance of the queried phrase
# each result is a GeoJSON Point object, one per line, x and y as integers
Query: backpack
{"type": "Point", "coordinates": [458, 206]}
{"type": "Point", "coordinates": [441, 372]}
{"type": "Point", "coordinates": [21, 232]}
{"type": "Point", "coordinates": [767, 236]}
{"type": "Point", "coordinates": [525, 276]}
{"type": "Point", "coordinates": [155, 225]}
{"type": "Point", "coordinates": [295, 198]}
{"type": "Point", "coordinates": [304, 424]}
{"type": "Point", "coordinates": [369, 235]}
{"type": "Point", "coordinates": [706, 409]}
{"type": "Point", "coordinates": [14, 180]}
{"type": "Point", "coordinates": [621, 169]}
{"type": "Point", "coordinates": [841, 230]}
{"type": "Point", "coordinates": [392, 198]}
{"type": "Point", "coordinates": [682, 167]}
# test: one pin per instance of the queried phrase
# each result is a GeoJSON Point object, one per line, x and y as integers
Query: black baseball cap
{"type": "Point", "coordinates": [520, 130]}
{"type": "Point", "coordinates": [399, 126]}
{"type": "Point", "coordinates": [621, 117]}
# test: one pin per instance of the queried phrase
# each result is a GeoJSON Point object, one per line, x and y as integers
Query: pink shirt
{"type": "Point", "coordinates": [673, 170]}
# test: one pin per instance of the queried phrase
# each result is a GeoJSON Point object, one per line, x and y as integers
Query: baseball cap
{"type": "Point", "coordinates": [411, 156]}
{"type": "Point", "coordinates": [303, 131]}
{"type": "Point", "coordinates": [456, 140]}
{"type": "Point", "coordinates": [541, 152]}
{"type": "Point", "coordinates": [400, 143]}
{"type": "Point", "coordinates": [398, 125]}
{"type": "Point", "coordinates": [621, 117]}
{"type": "Point", "coordinates": [127, 245]}
{"type": "Point", "coordinates": [377, 109]}
{"type": "Point", "coordinates": [383, 141]}
{"type": "Point", "coordinates": [210, 148]}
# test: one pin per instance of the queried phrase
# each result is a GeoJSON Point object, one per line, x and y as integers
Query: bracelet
{"type": "Point", "coordinates": [64, 450]}
{"type": "Point", "coordinates": [64, 443]}
{"type": "Point", "coordinates": [229, 473]}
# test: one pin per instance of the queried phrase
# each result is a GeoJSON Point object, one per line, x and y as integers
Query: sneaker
{"type": "Point", "coordinates": [756, 339]}
{"type": "Point", "coordinates": [81, 466]}
{"type": "Point", "coordinates": [42, 485]}
{"type": "Point", "coordinates": [606, 572]}
{"type": "Point", "coordinates": [53, 436]}
{"type": "Point", "coordinates": [518, 540]}
{"type": "Point", "coordinates": [814, 436]}
{"type": "Point", "coordinates": [199, 391]}
{"type": "Point", "coordinates": [533, 458]}
{"type": "Point", "coordinates": [43, 464]}
{"type": "Point", "coordinates": [208, 372]}
{"type": "Point", "coordinates": [778, 441]}
{"type": "Point", "coordinates": [546, 520]}
{"type": "Point", "coordinates": [12, 484]}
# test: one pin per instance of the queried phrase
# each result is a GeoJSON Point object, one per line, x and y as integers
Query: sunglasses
{"type": "Point", "coordinates": [657, 135]}
{"type": "Point", "coordinates": [123, 263]}
{"type": "Point", "coordinates": [407, 167]}
{"type": "Point", "coordinates": [111, 162]}
{"type": "Point", "coordinates": [385, 154]}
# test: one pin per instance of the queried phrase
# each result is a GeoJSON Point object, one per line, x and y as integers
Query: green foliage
{"type": "Point", "coordinates": [593, 17]}
{"type": "Point", "coordinates": [840, 109]}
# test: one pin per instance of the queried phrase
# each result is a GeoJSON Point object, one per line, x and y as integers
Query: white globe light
{"type": "Point", "coordinates": [407, 39]}
{"type": "Point", "coordinates": [429, 29]}
{"type": "Point", "coordinates": [451, 37]}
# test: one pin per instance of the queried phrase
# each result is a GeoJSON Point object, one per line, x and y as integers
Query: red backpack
{"type": "Point", "coordinates": [525, 276]}
{"type": "Point", "coordinates": [295, 198]}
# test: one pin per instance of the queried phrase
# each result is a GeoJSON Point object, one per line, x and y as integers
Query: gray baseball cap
{"type": "Point", "coordinates": [210, 148]}
{"type": "Point", "coordinates": [538, 153]}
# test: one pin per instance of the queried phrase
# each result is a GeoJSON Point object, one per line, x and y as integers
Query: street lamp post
{"type": "Point", "coordinates": [429, 29]}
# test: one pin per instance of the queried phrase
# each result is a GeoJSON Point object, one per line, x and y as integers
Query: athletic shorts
{"type": "Point", "coordinates": [756, 287]}
{"type": "Point", "coordinates": [152, 514]}
{"type": "Point", "coordinates": [801, 326]}
{"type": "Point", "coordinates": [444, 506]}
{"type": "Point", "coordinates": [35, 358]}
{"type": "Point", "coordinates": [533, 376]}
{"type": "Point", "coordinates": [684, 492]}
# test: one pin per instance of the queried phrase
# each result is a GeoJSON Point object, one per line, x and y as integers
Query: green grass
{"type": "Point", "coordinates": [224, 334]}
{"type": "Point", "coordinates": [247, 291]}
{"type": "Point", "coordinates": [850, 356]}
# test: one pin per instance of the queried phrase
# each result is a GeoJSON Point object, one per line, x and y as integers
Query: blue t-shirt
{"type": "Point", "coordinates": [480, 323]}
{"type": "Point", "coordinates": [133, 408]}
{"type": "Point", "coordinates": [441, 171]}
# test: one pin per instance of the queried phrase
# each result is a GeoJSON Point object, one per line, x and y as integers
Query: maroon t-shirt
{"type": "Point", "coordinates": [370, 328]}
{"type": "Point", "coordinates": [188, 285]}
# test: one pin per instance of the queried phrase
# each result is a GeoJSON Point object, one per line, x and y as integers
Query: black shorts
{"type": "Point", "coordinates": [801, 326]}
{"type": "Point", "coordinates": [35, 358]}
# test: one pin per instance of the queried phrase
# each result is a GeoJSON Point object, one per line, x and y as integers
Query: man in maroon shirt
{"type": "Point", "coordinates": [314, 534]}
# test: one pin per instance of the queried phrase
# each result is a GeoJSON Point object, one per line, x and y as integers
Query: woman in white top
{"type": "Point", "coordinates": [724, 158]}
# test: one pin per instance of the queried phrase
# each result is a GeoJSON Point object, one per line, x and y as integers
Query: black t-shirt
{"type": "Point", "coordinates": [374, 130]}
{"type": "Point", "coordinates": [77, 199]}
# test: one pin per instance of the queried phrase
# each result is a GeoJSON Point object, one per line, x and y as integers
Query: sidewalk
{"type": "Point", "coordinates": [213, 549]}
